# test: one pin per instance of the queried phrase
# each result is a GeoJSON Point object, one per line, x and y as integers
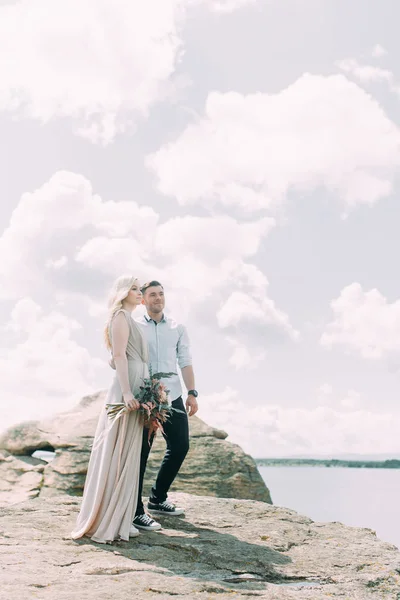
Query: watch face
{"type": "Point", "coordinates": [193, 393]}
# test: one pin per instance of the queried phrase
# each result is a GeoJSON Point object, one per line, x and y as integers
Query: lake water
{"type": "Point", "coordinates": [359, 497]}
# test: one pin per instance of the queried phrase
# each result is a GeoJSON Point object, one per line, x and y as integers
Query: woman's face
{"type": "Point", "coordinates": [135, 295]}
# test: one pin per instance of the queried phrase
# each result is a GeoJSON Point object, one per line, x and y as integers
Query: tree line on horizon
{"type": "Point", "coordinates": [333, 462]}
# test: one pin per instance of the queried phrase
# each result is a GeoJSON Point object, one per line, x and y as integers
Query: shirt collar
{"type": "Point", "coordinates": [148, 319]}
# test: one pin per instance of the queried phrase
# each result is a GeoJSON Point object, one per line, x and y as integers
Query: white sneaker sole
{"type": "Point", "coordinates": [143, 528]}
{"type": "Point", "coordinates": [177, 513]}
{"type": "Point", "coordinates": [133, 532]}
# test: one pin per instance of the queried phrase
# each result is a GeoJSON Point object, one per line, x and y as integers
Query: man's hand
{"type": "Point", "coordinates": [191, 405]}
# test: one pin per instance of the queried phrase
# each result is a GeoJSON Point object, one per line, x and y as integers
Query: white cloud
{"type": "Point", "coordinates": [241, 307]}
{"type": "Point", "coordinates": [325, 390]}
{"type": "Point", "coordinates": [57, 263]}
{"type": "Point", "coordinates": [245, 355]}
{"type": "Point", "coordinates": [94, 306]}
{"type": "Point", "coordinates": [46, 371]}
{"type": "Point", "coordinates": [272, 430]}
{"type": "Point", "coordinates": [369, 74]}
{"type": "Point", "coordinates": [378, 51]}
{"type": "Point", "coordinates": [320, 131]}
{"type": "Point", "coordinates": [351, 400]}
{"type": "Point", "coordinates": [64, 218]}
{"type": "Point", "coordinates": [216, 238]}
{"type": "Point", "coordinates": [230, 292]}
{"type": "Point", "coordinates": [24, 316]}
{"type": "Point", "coordinates": [102, 64]}
{"type": "Point", "coordinates": [202, 259]}
{"type": "Point", "coordinates": [111, 254]}
{"type": "Point", "coordinates": [225, 6]}
{"type": "Point", "coordinates": [364, 323]}
{"type": "Point", "coordinates": [327, 397]}
{"type": "Point", "coordinates": [365, 73]}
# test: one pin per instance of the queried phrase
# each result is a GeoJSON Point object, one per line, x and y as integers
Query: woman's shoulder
{"type": "Point", "coordinates": [121, 315]}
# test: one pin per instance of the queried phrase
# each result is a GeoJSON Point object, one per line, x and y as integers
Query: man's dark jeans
{"type": "Point", "coordinates": [176, 434]}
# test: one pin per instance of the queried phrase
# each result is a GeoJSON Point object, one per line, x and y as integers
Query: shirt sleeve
{"type": "Point", "coordinates": [183, 348]}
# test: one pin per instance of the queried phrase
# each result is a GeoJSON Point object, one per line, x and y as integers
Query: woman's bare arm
{"type": "Point", "coordinates": [120, 335]}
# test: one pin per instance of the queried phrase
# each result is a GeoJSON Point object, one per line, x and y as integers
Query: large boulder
{"type": "Point", "coordinates": [213, 466]}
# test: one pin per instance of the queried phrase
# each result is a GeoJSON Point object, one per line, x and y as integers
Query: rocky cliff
{"type": "Point", "coordinates": [213, 467]}
{"type": "Point", "coordinates": [224, 548]}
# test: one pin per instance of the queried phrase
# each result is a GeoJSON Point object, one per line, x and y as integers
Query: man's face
{"type": "Point", "coordinates": [154, 299]}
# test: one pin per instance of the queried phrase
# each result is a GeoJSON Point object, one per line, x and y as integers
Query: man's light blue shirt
{"type": "Point", "coordinates": [169, 347]}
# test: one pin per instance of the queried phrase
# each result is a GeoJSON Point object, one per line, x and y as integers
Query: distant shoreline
{"type": "Point", "coordinates": [333, 462]}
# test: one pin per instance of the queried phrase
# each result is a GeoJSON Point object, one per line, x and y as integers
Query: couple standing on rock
{"type": "Point", "coordinates": [112, 506]}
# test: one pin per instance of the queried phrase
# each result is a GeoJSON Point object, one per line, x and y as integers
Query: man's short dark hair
{"type": "Point", "coordinates": [149, 284]}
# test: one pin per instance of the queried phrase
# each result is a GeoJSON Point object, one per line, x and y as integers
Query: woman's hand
{"type": "Point", "coordinates": [130, 401]}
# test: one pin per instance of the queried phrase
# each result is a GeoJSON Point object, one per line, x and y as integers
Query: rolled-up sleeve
{"type": "Point", "coordinates": [183, 348]}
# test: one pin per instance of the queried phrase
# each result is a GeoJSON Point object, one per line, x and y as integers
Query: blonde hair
{"type": "Point", "coordinates": [119, 292]}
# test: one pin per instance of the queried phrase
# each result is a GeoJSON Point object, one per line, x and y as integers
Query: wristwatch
{"type": "Point", "coordinates": [194, 393]}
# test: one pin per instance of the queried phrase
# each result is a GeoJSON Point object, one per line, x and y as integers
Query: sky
{"type": "Point", "coordinates": [246, 153]}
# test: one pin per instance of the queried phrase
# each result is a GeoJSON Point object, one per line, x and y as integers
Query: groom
{"type": "Point", "coordinates": [168, 344]}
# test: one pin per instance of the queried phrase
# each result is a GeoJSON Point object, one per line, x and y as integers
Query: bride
{"type": "Point", "coordinates": [111, 487]}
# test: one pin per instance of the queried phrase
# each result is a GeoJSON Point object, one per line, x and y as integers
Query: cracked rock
{"type": "Point", "coordinates": [196, 557]}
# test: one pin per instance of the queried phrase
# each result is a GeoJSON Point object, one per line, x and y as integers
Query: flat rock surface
{"type": "Point", "coordinates": [224, 548]}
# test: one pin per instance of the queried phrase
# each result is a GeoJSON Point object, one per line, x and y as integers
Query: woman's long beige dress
{"type": "Point", "coordinates": [111, 487]}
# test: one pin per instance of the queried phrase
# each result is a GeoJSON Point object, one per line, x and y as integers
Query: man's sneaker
{"type": "Point", "coordinates": [146, 523]}
{"type": "Point", "coordinates": [133, 532]}
{"type": "Point", "coordinates": [164, 508]}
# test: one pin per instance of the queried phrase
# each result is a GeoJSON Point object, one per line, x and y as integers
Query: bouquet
{"type": "Point", "coordinates": [155, 407]}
